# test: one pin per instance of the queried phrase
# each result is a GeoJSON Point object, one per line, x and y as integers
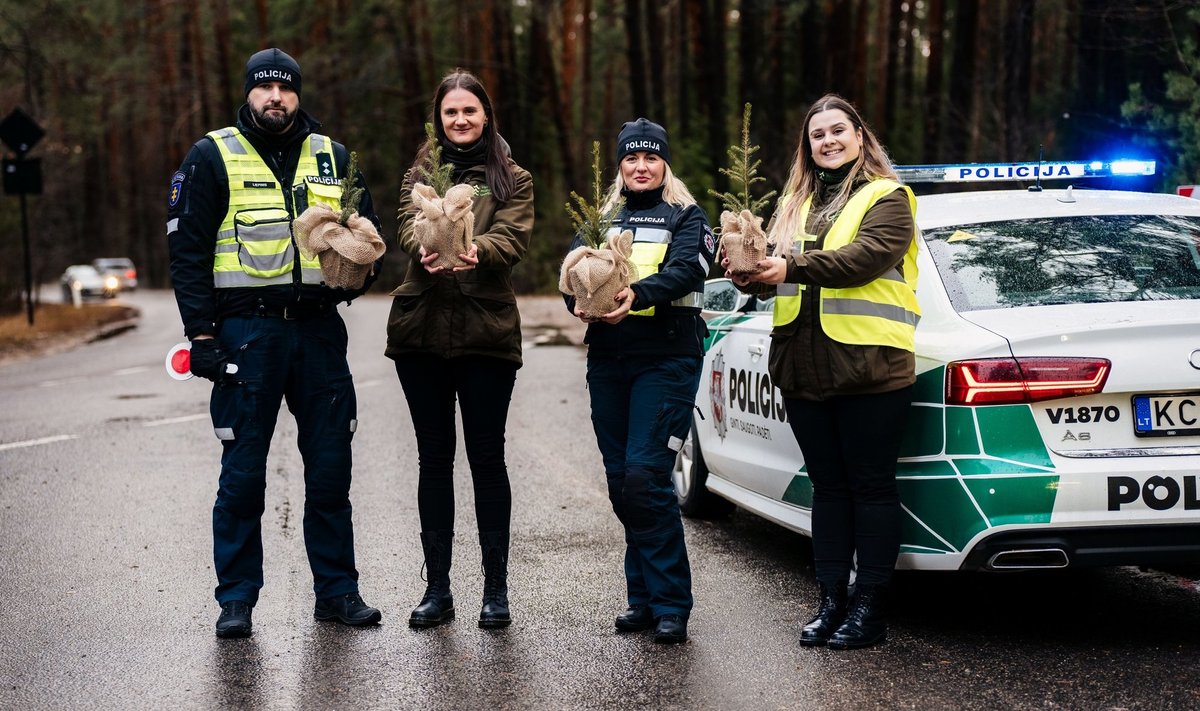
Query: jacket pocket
{"type": "Point", "coordinates": [856, 367]}
{"type": "Point", "coordinates": [264, 239]}
{"type": "Point", "coordinates": [408, 321]}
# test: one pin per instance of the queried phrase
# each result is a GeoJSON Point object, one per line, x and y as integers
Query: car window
{"type": "Point", "coordinates": [1068, 260]}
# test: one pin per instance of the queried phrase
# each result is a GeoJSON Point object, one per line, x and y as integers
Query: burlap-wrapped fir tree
{"type": "Point", "coordinates": [346, 244]}
{"type": "Point", "coordinates": [597, 271]}
{"type": "Point", "coordinates": [742, 234]}
{"type": "Point", "coordinates": [444, 222]}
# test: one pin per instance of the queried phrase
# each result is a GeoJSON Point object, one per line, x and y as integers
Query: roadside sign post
{"type": "Point", "coordinates": [23, 177]}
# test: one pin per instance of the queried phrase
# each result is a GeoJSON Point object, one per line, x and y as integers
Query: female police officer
{"type": "Point", "coordinates": [644, 360]}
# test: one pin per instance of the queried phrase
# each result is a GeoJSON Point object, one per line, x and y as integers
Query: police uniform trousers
{"type": "Point", "coordinates": [641, 412]}
{"type": "Point", "coordinates": [302, 362]}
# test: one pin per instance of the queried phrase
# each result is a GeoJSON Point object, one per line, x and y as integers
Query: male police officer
{"type": "Point", "coordinates": [263, 327]}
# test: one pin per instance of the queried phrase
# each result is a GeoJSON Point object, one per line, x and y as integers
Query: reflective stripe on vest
{"type": "Point", "coordinates": [883, 312]}
{"type": "Point", "coordinates": [254, 245]}
{"type": "Point", "coordinates": [649, 251]}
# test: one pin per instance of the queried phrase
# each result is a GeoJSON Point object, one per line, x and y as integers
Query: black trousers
{"type": "Point", "coordinates": [850, 445]}
{"type": "Point", "coordinates": [483, 386]}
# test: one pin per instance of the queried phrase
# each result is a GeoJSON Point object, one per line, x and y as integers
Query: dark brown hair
{"type": "Point", "coordinates": [499, 174]}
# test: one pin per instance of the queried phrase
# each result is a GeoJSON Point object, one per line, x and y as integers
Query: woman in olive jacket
{"type": "Point", "coordinates": [455, 334]}
{"type": "Point", "coordinates": [844, 276]}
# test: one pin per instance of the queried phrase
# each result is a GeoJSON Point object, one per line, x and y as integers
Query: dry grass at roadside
{"type": "Point", "coordinates": [57, 326]}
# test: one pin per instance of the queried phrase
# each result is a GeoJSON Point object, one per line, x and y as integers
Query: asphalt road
{"type": "Point", "coordinates": [107, 475]}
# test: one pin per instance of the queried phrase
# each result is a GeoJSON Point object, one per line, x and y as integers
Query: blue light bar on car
{"type": "Point", "coordinates": [1010, 172]}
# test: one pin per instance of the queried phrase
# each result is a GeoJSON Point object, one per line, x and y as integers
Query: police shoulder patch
{"type": "Point", "coordinates": [710, 242]}
{"type": "Point", "coordinates": [482, 190]}
{"type": "Point", "coordinates": [176, 187]}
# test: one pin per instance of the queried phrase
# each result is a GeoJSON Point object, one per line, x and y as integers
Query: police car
{"type": "Point", "coordinates": [1056, 414]}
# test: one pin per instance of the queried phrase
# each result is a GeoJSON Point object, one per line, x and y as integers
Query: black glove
{"type": "Point", "coordinates": [208, 359]}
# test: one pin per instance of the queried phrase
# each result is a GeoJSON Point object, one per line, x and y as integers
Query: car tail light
{"type": "Point", "coordinates": [1006, 381]}
{"type": "Point", "coordinates": [131, 274]}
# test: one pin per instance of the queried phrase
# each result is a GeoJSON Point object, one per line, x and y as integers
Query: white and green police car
{"type": "Point", "coordinates": [1056, 417]}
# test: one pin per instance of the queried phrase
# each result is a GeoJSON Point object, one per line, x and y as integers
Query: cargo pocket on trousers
{"type": "Point", "coordinates": [233, 408]}
{"type": "Point", "coordinates": [672, 423]}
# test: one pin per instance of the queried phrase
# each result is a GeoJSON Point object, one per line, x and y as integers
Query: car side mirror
{"type": "Point", "coordinates": [721, 296]}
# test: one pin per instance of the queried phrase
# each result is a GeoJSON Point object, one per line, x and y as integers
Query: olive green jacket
{"type": "Point", "coordinates": [471, 312]}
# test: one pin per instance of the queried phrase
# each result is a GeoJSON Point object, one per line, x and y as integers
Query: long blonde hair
{"type": "Point", "coordinates": [674, 191]}
{"type": "Point", "coordinates": [872, 163]}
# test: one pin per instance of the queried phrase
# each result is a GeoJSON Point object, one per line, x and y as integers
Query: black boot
{"type": "Point", "coordinates": [438, 604]}
{"type": "Point", "coordinates": [494, 612]}
{"type": "Point", "coordinates": [864, 625]}
{"type": "Point", "coordinates": [830, 615]}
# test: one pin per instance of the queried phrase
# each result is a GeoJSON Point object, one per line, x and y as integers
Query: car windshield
{"type": "Point", "coordinates": [1068, 260]}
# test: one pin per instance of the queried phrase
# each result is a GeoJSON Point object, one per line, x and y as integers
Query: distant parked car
{"type": "Point", "coordinates": [120, 267]}
{"type": "Point", "coordinates": [89, 282]}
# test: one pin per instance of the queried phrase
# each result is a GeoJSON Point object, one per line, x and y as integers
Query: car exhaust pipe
{"type": "Point", "coordinates": [1029, 559]}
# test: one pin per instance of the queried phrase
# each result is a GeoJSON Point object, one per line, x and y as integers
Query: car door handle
{"type": "Point", "coordinates": [755, 349]}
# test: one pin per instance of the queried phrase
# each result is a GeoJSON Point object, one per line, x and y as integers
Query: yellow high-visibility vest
{"type": "Point", "coordinates": [883, 312]}
{"type": "Point", "coordinates": [649, 251]}
{"type": "Point", "coordinates": [255, 246]}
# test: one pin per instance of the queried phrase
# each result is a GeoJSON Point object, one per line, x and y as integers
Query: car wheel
{"type": "Point", "coordinates": [690, 476]}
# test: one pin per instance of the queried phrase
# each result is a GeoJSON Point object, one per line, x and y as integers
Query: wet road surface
{"type": "Point", "coordinates": [107, 476]}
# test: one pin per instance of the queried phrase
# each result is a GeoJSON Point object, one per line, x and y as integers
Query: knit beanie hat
{"type": "Point", "coordinates": [272, 65]}
{"type": "Point", "coordinates": [642, 135]}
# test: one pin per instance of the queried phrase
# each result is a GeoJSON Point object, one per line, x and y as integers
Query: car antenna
{"type": "Point", "coordinates": [1037, 186]}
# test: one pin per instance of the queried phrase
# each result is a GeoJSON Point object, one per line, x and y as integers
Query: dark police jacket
{"type": "Point", "coordinates": [197, 205]}
{"type": "Point", "coordinates": [672, 330]}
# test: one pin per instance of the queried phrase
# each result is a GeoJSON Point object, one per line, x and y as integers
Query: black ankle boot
{"type": "Point", "coordinates": [830, 615]}
{"type": "Point", "coordinates": [864, 625]}
{"type": "Point", "coordinates": [437, 606]}
{"type": "Point", "coordinates": [494, 612]}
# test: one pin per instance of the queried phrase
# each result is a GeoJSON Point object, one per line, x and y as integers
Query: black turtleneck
{"type": "Point", "coordinates": [642, 199]}
{"type": "Point", "coordinates": [465, 157]}
{"type": "Point", "coordinates": [835, 176]}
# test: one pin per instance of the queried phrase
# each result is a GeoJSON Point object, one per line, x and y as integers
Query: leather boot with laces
{"type": "Point", "coordinates": [235, 619]}
{"type": "Point", "coordinates": [349, 609]}
{"type": "Point", "coordinates": [864, 625]}
{"type": "Point", "coordinates": [437, 606]}
{"type": "Point", "coordinates": [494, 612]}
{"type": "Point", "coordinates": [830, 615]}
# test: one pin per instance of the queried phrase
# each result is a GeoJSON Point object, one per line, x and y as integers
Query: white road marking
{"type": "Point", "coordinates": [176, 420]}
{"type": "Point", "coordinates": [35, 442]}
{"type": "Point", "coordinates": [64, 381]}
{"type": "Point", "coordinates": [131, 371]}
{"type": "Point", "coordinates": [375, 382]}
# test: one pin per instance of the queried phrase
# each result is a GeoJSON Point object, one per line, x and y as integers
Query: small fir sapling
{"type": "Point", "coordinates": [602, 267]}
{"type": "Point", "coordinates": [741, 232]}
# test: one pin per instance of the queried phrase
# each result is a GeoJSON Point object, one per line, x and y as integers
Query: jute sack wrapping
{"type": "Point", "coordinates": [346, 252]}
{"type": "Point", "coordinates": [595, 276]}
{"type": "Point", "coordinates": [744, 241]}
{"type": "Point", "coordinates": [444, 224]}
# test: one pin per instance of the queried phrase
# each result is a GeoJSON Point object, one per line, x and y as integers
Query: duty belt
{"type": "Point", "coordinates": [293, 312]}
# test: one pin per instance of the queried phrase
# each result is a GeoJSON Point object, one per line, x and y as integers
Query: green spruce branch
{"type": "Point", "coordinates": [591, 221]}
{"type": "Point", "coordinates": [351, 193]}
{"type": "Point", "coordinates": [433, 172]}
{"type": "Point", "coordinates": [744, 173]}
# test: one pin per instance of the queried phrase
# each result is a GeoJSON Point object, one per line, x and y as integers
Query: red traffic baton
{"type": "Point", "coordinates": [179, 362]}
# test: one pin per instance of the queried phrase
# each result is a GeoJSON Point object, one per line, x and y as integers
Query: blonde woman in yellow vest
{"type": "Point", "coordinates": [844, 275]}
{"type": "Point", "coordinates": [643, 368]}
